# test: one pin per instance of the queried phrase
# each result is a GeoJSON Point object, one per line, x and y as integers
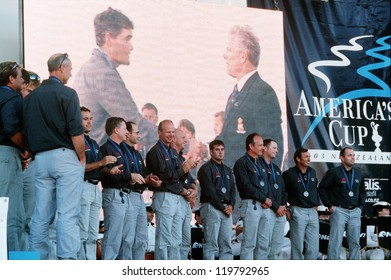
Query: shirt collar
{"type": "Point", "coordinates": [244, 79]}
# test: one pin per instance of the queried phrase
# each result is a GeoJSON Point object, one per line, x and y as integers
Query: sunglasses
{"type": "Point", "coordinates": [35, 77]}
{"type": "Point", "coordinates": [12, 69]}
{"type": "Point", "coordinates": [65, 56]}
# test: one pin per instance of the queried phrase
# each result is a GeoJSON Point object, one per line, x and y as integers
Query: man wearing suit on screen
{"type": "Point", "coordinates": [253, 105]}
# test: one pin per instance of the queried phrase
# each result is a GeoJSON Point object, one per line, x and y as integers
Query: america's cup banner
{"type": "Point", "coordinates": [337, 57]}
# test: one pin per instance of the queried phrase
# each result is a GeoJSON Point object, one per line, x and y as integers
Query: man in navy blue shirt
{"type": "Point", "coordinates": [91, 202]}
{"type": "Point", "coordinates": [342, 191]}
{"type": "Point", "coordinates": [53, 126]}
{"type": "Point", "coordinates": [12, 143]}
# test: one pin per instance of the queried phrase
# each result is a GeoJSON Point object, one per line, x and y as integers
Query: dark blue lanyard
{"type": "Point", "coordinates": [257, 167]}
{"type": "Point", "coordinates": [170, 156]}
{"type": "Point", "coordinates": [271, 168]}
{"type": "Point", "coordinates": [91, 145]}
{"type": "Point", "coordinates": [349, 184]}
{"type": "Point", "coordinates": [306, 187]}
{"type": "Point", "coordinates": [222, 175]}
{"type": "Point", "coordinates": [124, 157]}
{"type": "Point", "coordinates": [133, 156]}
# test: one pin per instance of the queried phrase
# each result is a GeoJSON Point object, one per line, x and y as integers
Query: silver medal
{"type": "Point", "coordinates": [223, 190]}
{"type": "Point", "coordinates": [351, 194]}
{"type": "Point", "coordinates": [306, 194]}
{"type": "Point", "coordinates": [262, 183]}
{"type": "Point", "coordinates": [276, 186]}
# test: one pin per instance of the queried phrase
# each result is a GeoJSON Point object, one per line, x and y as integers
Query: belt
{"type": "Point", "coordinates": [127, 190]}
{"type": "Point", "coordinates": [347, 207]}
{"type": "Point", "coordinates": [92, 181]}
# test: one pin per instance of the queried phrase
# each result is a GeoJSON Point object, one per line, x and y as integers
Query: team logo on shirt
{"type": "Point", "coordinates": [218, 174]}
{"type": "Point", "coordinates": [343, 181]}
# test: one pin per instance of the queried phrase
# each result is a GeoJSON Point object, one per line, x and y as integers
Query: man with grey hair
{"type": "Point", "coordinates": [53, 126]}
{"type": "Point", "coordinates": [100, 85]}
{"type": "Point", "coordinates": [253, 105]}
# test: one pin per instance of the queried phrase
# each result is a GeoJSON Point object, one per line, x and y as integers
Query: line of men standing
{"type": "Point", "coordinates": [61, 167]}
{"type": "Point", "coordinates": [56, 133]}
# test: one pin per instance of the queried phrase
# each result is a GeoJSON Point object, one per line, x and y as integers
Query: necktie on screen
{"type": "Point", "coordinates": [232, 98]}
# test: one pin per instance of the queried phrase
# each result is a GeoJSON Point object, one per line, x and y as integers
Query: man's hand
{"type": "Point", "coordinates": [107, 160]}
{"type": "Point", "coordinates": [189, 164]}
{"type": "Point", "coordinates": [153, 180]}
{"type": "Point", "coordinates": [281, 211]}
{"type": "Point", "coordinates": [26, 154]}
{"type": "Point", "coordinates": [267, 203]}
{"type": "Point", "coordinates": [25, 163]}
{"type": "Point", "coordinates": [137, 178]}
{"type": "Point", "coordinates": [228, 210]}
{"type": "Point", "coordinates": [116, 170]}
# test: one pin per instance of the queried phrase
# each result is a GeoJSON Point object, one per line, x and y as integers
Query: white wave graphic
{"type": "Point", "coordinates": [336, 50]}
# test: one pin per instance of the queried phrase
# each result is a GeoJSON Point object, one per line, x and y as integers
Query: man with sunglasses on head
{"type": "Point", "coordinates": [13, 148]}
{"type": "Point", "coordinates": [53, 126]}
{"type": "Point", "coordinates": [31, 82]}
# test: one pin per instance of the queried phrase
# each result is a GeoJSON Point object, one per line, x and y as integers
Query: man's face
{"type": "Point", "coordinates": [67, 72]}
{"type": "Point", "coordinates": [86, 121]}
{"type": "Point", "coordinates": [349, 158]}
{"type": "Point", "coordinates": [257, 147]}
{"type": "Point", "coordinates": [119, 47]}
{"type": "Point", "coordinates": [134, 136]}
{"type": "Point", "coordinates": [150, 115]}
{"type": "Point", "coordinates": [180, 139]}
{"type": "Point", "coordinates": [30, 88]}
{"type": "Point", "coordinates": [304, 160]}
{"type": "Point", "coordinates": [166, 135]}
{"type": "Point", "coordinates": [121, 131]}
{"type": "Point", "coordinates": [217, 153]}
{"type": "Point", "coordinates": [218, 125]}
{"type": "Point", "coordinates": [189, 134]}
{"type": "Point", "coordinates": [233, 56]}
{"type": "Point", "coordinates": [272, 150]}
{"type": "Point", "coordinates": [16, 83]}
